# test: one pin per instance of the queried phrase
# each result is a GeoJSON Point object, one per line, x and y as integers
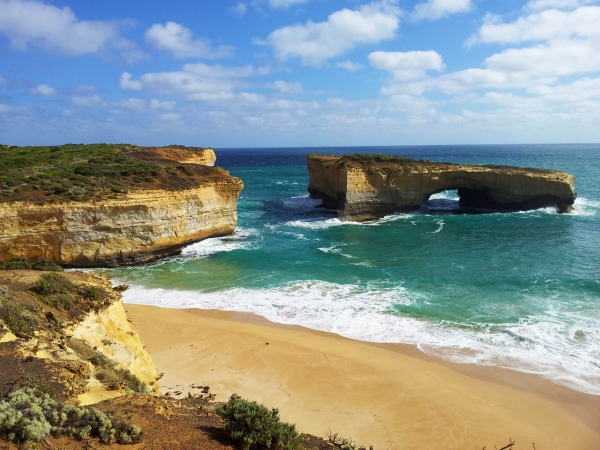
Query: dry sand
{"type": "Point", "coordinates": [389, 396]}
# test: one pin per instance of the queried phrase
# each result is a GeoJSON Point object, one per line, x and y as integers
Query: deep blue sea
{"type": "Point", "coordinates": [518, 290]}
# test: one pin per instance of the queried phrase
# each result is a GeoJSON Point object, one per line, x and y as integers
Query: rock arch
{"type": "Point", "coordinates": [372, 187]}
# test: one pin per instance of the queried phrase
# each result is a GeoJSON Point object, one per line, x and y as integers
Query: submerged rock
{"type": "Point", "coordinates": [363, 187]}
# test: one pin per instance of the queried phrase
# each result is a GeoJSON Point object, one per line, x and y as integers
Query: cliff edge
{"type": "Point", "coordinates": [102, 205]}
{"type": "Point", "coordinates": [364, 187]}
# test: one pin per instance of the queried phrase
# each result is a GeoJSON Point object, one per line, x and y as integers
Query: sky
{"type": "Point", "coordinates": [297, 73]}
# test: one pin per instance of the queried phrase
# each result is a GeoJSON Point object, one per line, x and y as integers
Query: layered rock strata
{"type": "Point", "coordinates": [137, 227]}
{"type": "Point", "coordinates": [367, 188]}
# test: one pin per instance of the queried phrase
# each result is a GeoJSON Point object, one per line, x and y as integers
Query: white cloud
{"type": "Point", "coordinates": [556, 59]}
{"type": "Point", "coordinates": [195, 81]}
{"type": "Point", "coordinates": [57, 30]}
{"type": "Point", "coordinates": [540, 5]}
{"type": "Point", "coordinates": [170, 116]}
{"type": "Point", "coordinates": [178, 40]}
{"type": "Point", "coordinates": [436, 9]}
{"type": "Point", "coordinates": [136, 104]}
{"type": "Point", "coordinates": [284, 3]}
{"type": "Point", "coordinates": [293, 87]}
{"type": "Point", "coordinates": [43, 89]}
{"type": "Point", "coordinates": [579, 91]}
{"type": "Point", "coordinates": [239, 9]}
{"type": "Point", "coordinates": [87, 100]}
{"type": "Point", "coordinates": [351, 66]}
{"type": "Point", "coordinates": [552, 24]}
{"type": "Point", "coordinates": [343, 30]}
{"type": "Point", "coordinates": [407, 65]}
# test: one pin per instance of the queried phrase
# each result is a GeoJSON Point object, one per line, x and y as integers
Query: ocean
{"type": "Point", "coordinates": [519, 290]}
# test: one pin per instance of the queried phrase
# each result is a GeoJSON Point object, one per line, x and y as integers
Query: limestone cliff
{"type": "Point", "coordinates": [368, 187]}
{"type": "Point", "coordinates": [135, 227]}
{"type": "Point", "coordinates": [86, 351]}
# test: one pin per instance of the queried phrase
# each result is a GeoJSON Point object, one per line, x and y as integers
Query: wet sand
{"type": "Point", "coordinates": [390, 396]}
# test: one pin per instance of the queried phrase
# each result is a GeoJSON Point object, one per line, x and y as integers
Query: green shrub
{"type": "Point", "coordinates": [132, 382]}
{"type": "Point", "coordinates": [39, 387]}
{"type": "Point", "coordinates": [56, 290]}
{"type": "Point", "coordinates": [47, 266]}
{"type": "Point", "coordinates": [26, 415]}
{"type": "Point", "coordinates": [91, 292]}
{"type": "Point", "coordinates": [369, 158]}
{"type": "Point", "coordinates": [18, 263]}
{"type": "Point", "coordinates": [53, 283]}
{"type": "Point", "coordinates": [16, 316]}
{"type": "Point", "coordinates": [24, 263]}
{"type": "Point", "coordinates": [253, 426]}
{"type": "Point", "coordinates": [102, 361]}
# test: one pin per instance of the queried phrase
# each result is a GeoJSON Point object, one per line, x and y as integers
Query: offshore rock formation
{"type": "Point", "coordinates": [139, 226]}
{"type": "Point", "coordinates": [365, 187]}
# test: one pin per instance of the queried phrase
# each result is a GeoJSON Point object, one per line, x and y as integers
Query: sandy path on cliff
{"type": "Point", "coordinates": [392, 397]}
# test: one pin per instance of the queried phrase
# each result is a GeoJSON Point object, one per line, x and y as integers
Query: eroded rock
{"type": "Point", "coordinates": [363, 187]}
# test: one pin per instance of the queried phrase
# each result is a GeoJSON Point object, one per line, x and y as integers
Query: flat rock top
{"type": "Point", "coordinates": [381, 162]}
{"type": "Point", "coordinates": [95, 172]}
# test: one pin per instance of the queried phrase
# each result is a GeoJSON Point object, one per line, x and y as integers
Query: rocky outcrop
{"type": "Point", "coordinates": [137, 227]}
{"type": "Point", "coordinates": [362, 188]}
{"type": "Point", "coordinates": [86, 351]}
{"type": "Point", "coordinates": [200, 156]}
{"type": "Point", "coordinates": [110, 333]}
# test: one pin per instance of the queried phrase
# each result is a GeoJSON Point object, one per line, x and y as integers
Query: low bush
{"type": "Point", "coordinates": [253, 426]}
{"type": "Point", "coordinates": [47, 266]}
{"type": "Point", "coordinates": [55, 290]}
{"type": "Point", "coordinates": [28, 416]}
{"type": "Point", "coordinates": [99, 360]}
{"type": "Point", "coordinates": [15, 316]}
{"type": "Point", "coordinates": [24, 263]}
{"type": "Point", "coordinates": [38, 386]}
{"type": "Point", "coordinates": [132, 382]}
{"type": "Point", "coordinates": [91, 292]}
{"type": "Point", "coordinates": [369, 158]}
{"type": "Point", "coordinates": [53, 283]}
{"type": "Point", "coordinates": [18, 263]}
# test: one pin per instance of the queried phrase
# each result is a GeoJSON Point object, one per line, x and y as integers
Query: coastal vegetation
{"type": "Point", "coordinates": [30, 414]}
{"type": "Point", "coordinates": [23, 314]}
{"type": "Point", "coordinates": [25, 264]}
{"type": "Point", "coordinates": [78, 172]}
{"type": "Point", "coordinates": [252, 426]}
{"type": "Point", "coordinates": [371, 158]}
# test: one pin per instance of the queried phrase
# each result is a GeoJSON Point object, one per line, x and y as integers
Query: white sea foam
{"type": "Point", "coordinates": [585, 207]}
{"type": "Point", "coordinates": [445, 195]}
{"type": "Point", "coordinates": [565, 348]}
{"type": "Point", "coordinates": [336, 249]}
{"type": "Point", "coordinates": [303, 203]}
{"type": "Point", "coordinates": [441, 224]}
{"type": "Point", "coordinates": [322, 224]}
{"type": "Point", "coordinates": [239, 241]}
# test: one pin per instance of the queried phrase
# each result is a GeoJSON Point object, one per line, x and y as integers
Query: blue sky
{"type": "Point", "coordinates": [300, 72]}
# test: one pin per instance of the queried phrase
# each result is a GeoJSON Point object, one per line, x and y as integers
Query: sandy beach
{"type": "Point", "coordinates": [388, 396]}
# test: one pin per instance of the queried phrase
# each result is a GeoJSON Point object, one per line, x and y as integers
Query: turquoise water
{"type": "Point", "coordinates": [518, 290]}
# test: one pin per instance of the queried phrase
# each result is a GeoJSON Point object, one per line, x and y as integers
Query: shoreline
{"type": "Point", "coordinates": [386, 395]}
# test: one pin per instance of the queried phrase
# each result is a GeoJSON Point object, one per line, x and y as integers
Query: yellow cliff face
{"type": "Point", "coordinates": [203, 157]}
{"type": "Point", "coordinates": [370, 190]}
{"type": "Point", "coordinates": [140, 227]}
{"type": "Point", "coordinates": [110, 333]}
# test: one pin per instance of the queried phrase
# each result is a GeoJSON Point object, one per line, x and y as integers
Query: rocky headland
{"type": "Point", "coordinates": [114, 205]}
{"type": "Point", "coordinates": [366, 187]}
